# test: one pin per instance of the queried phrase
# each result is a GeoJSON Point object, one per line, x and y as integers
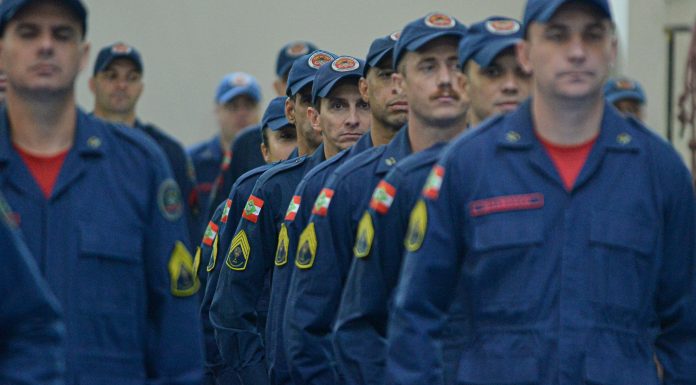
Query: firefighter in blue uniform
{"type": "Point", "coordinates": [33, 333]}
{"type": "Point", "coordinates": [340, 114]}
{"type": "Point", "coordinates": [278, 140]}
{"type": "Point", "coordinates": [239, 307]}
{"type": "Point", "coordinates": [318, 284]}
{"type": "Point", "coordinates": [99, 210]}
{"type": "Point", "coordinates": [566, 271]}
{"type": "Point", "coordinates": [236, 108]}
{"type": "Point", "coordinates": [117, 84]}
{"type": "Point", "coordinates": [495, 83]}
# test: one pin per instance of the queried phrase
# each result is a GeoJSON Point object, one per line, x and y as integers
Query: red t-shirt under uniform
{"type": "Point", "coordinates": [568, 160]}
{"type": "Point", "coordinates": [44, 169]}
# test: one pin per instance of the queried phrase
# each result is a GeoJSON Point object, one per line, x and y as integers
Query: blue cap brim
{"type": "Point", "coordinates": [297, 86]}
{"type": "Point", "coordinates": [278, 123]}
{"type": "Point", "coordinates": [377, 59]}
{"type": "Point", "coordinates": [237, 91]}
{"type": "Point", "coordinates": [626, 94]}
{"type": "Point", "coordinates": [551, 7]}
{"type": "Point", "coordinates": [326, 89]}
{"type": "Point", "coordinates": [486, 55]}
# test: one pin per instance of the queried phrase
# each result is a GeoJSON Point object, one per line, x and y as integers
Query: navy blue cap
{"type": "Point", "coordinates": [623, 88]}
{"type": "Point", "coordinates": [274, 116]}
{"type": "Point", "coordinates": [424, 30]}
{"type": "Point", "coordinates": [379, 49]}
{"type": "Point", "coordinates": [116, 51]}
{"type": "Point", "coordinates": [9, 8]}
{"type": "Point", "coordinates": [485, 40]}
{"type": "Point", "coordinates": [343, 67]}
{"type": "Point", "coordinates": [304, 68]}
{"type": "Point", "coordinates": [542, 11]}
{"type": "Point", "coordinates": [235, 84]}
{"type": "Point", "coordinates": [289, 53]}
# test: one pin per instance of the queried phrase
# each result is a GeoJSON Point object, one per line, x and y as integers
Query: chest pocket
{"type": "Point", "coordinates": [503, 257]}
{"type": "Point", "coordinates": [620, 262]}
{"type": "Point", "coordinates": [110, 273]}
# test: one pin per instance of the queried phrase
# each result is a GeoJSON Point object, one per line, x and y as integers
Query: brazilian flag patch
{"type": "Point", "coordinates": [366, 234]}
{"type": "Point", "coordinates": [281, 255]}
{"type": "Point", "coordinates": [307, 248]}
{"type": "Point", "coordinates": [238, 256]}
{"type": "Point", "coordinates": [417, 225]}
{"type": "Point", "coordinates": [184, 281]}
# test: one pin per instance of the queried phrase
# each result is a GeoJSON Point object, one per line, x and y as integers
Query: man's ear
{"type": "Point", "coordinates": [522, 53]}
{"type": "Point", "coordinates": [313, 116]}
{"type": "Point", "coordinates": [290, 110]}
{"type": "Point", "coordinates": [363, 88]}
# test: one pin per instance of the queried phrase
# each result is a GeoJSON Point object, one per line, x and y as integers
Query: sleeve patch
{"type": "Point", "coordinates": [417, 226]}
{"type": "Point", "coordinates": [169, 200]}
{"type": "Point", "coordinates": [184, 281]}
{"type": "Point", "coordinates": [366, 234]}
{"type": "Point", "coordinates": [321, 205]}
{"type": "Point", "coordinates": [226, 211]}
{"type": "Point", "coordinates": [252, 209]}
{"type": "Point", "coordinates": [281, 255]}
{"type": "Point", "coordinates": [383, 197]}
{"type": "Point", "coordinates": [238, 256]}
{"type": "Point", "coordinates": [307, 248]}
{"type": "Point", "coordinates": [431, 190]}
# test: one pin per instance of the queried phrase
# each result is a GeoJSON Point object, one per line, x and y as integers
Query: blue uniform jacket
{"type": "Point", "coordinates": [302, 371]}
{"type": "Point", "coordinates": [558, 287]}
{"type": "Point", "coordinates": [109, 243]}
{"type": "Point", "coordinates": [360, 330]}
{"type": "Point", "coordinates": [243, 280]}
{"type": "Point", "coordinates": [210, 257]}
{"type": "Point", "coordinates": [33, 333]}
{"type": "Point", "coordinates": [184, 175]}
{"type": "Point", "coordinates": [317, 285]}
{"type": "Point", "coordinates": [246, 152]}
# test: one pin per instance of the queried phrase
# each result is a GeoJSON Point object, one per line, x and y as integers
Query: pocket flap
{"type": "Point", "coordinates": [114, 242]}
{"type": "Point", "coordinates": [624, 231]}
{"type": "Point", "coordinates": [610, 371]}
{"type": "Point", "coordinates": [507, 230]}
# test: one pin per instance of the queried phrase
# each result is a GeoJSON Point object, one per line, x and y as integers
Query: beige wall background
{"type": "Point", "coordinates": [188, 46]}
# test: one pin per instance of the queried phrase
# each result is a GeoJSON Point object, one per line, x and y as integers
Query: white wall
{"type": "Point", "coordinates": [189, 45]}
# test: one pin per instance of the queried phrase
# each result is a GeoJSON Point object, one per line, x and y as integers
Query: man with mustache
{"type": "Point", "coordinates": [317, 284]}
{"type": "Point", "coordinates": [561, 233]}
{"type": "Point", "coordinates": [360, 330]}
{"type": "Point", "coordinates": [117, 84]}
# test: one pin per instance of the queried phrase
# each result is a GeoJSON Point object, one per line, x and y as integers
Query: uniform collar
{"type": "Point", "coordinates": [519, 131]}
{"type": "Point", "coordinates": [88, 141]}
{"type": "Point", "coordinates": [397, 149]}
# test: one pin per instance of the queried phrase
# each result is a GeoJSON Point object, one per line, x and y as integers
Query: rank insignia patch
{"type": "Point", "coordinates": [210, 234]}
{"type": "Point", "coordinates": [238, 256]}
{"type": "Point", "coordinates": [307, 248]}
{"type": "Point", "coordinates": [213, 256]}
{"type": "Point", "coordinates": [169, 200]}
{"type": "Point", "coordinates": [226, 211]}
{"type": "Point", "coordinates": [252, 209]}
{"type": "Point", "coordinates": [417, 225]}
{"type": "Point", "coordinates": [281, 255]}
{"type": "Point", "coordinates": [431, 190]}
{"type": "Point", "coordinates": [382, 197]}
{"type": "Point", "coordinates": [182, 274]}
{"type": "Point", "coordinates": [366, 234]}
{"type": "Point", "coordinates": [293, 208]}
{"type": "Point", "coordinates": [321, 206]}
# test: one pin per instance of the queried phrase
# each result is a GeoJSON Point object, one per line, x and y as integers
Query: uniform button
{"type": "Point", "coordinates": [94, 142]}
{"type": "Point", "coordinates": [512, 137]}
{"type": "Point", "coordinates": [624, 138]}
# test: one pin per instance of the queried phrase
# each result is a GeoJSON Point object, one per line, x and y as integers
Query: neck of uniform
{"type": "Point", "coordinates": [566, 121]}
{"type": "Point", "coordinates": [423, 136]}
{"type": "Point", "coordinates": [127, 118]}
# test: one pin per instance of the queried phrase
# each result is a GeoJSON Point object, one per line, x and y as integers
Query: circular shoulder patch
{"type": "Point", "coordinates": [169, 200]}
{"type": "Point", "coordinates": [417, 226]}
{"type": "Point", "coordinates": [395, 36]}
{"type": "Point", "coordinates": [121, 48]}
{"type": "Point", "coordinates": [625, 84]}
{"type": "Point", "coordinates": [297, 49]}
{"type": "Point", "coordinates": [503, 27]}
{"type": "Point", "coordinates": [439, 20]}
{"type": "Point", "coordinates": [345, 64]}
{"type": "Point", "coordinates": [319, 59]}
